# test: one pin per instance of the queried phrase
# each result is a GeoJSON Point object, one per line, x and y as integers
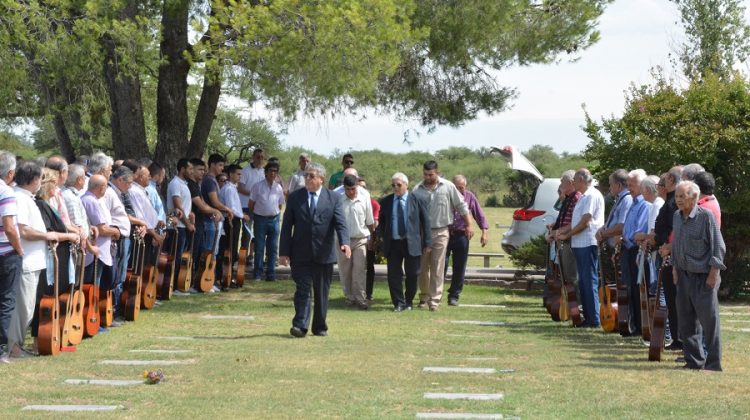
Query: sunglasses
{"type": "Point", "coordinates": [349, 162]}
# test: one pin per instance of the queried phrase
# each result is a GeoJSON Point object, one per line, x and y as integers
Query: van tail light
{"type": "Point", "coordinates": [525, 215]}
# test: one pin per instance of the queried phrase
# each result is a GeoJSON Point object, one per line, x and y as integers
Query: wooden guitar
{"type": "Point", "coordinates": [239, 278]}
{"type": "Point", "coordinates": [659, 320]}
{"type": "Point", "coordinates": [552, 277]}
{"type": "Point", "coordinates": [151, 275]}
{"type": "Point", "coordinates": [72, 331]}
{"type": "Point", "coordinates": [643, 256]}
{"type": "Point", "coordinates": [207, 269]}
{"type": "Point", "coordinates": [91, 311]}
{"type": "Point", "coordinates": [623, 300]}
{"type": "Point", "coordinates": [186, 267]}
{"type": "Point", "coordinates": [607, 308]}
{"type": "Point", "coordinates": [569, 291]}
{"type": "Point", "coordinates": [130, 299]}
{"type": "Point", "coordinates": [49, 315]}
{"type": "Point", "coordinates": [165, 263]}
{"type": "Point", "coordinates": [106, 301]}
{"type": "Point", "coordinates": [226, 261]}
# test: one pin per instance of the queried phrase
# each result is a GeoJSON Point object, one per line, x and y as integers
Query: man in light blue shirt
{"type": "Point", "coordinates": [157, 174]}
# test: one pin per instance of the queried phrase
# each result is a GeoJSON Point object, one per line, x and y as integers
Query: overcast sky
{"type": "Point", "coordinates": [636, 35]}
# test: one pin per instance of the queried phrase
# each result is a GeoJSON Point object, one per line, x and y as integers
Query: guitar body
{"type": "Point", "coordinates": [643, 294]}
{"type": "Point", "coordinates": [207, 271]}
{"type": "Point", "coordinates": [659, 319]}
{"type": "Point", "coordinates": [66, 308]}
{"type": "Point", "coordinates": [48, 336]}
{"type": "Point", "coordinates": [131, 297]}
{"type": "Point", "coordinates": [623, 300]}
{"type": "Point", "coordinates": [562, 311]}
{"type": "Point", "coordinates": [607, 308]}
{"type": "Point", "coordinates": [91, 316]}
{"type": "Point", "coordinates": [239, 278]}
{"type": "Point", "coordinates": [49, 326]}
{"type": "Point", "coordinates": [75, 333]}
{"type": "Point", "coordinates": [571, 296]}
{"type": "Point", "coordinates": [552, 278]}
{"type": "Point", "coordinates": [226, 269]}
{"type": "Point", "coordinates": [186, 271]}
{"type": "Point", "coordinates": [165, 265]}
{"type": "Point", "coordinates": [105, 309]}
{"type": "Point", "coordinates": [148, 291]}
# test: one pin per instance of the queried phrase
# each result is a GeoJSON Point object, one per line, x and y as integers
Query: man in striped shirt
{"type": "Point", "coordinates": [11, 252]}
{"type": "Point", "coordinates": [567, 259]}
{"type": "Point", "coordinates": [697, 256]}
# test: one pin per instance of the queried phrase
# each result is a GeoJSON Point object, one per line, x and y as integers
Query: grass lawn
{"type": "Point", "coordinates": [502, 216]}
{"type": "Point", "coordinates": [370, 366]}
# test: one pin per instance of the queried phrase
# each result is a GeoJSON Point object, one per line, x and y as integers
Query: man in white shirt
{"type": "Point", "coordinates": [180, 204]}
{"type": "Point", "coordinates": [360, 224]}
{"type": "Point", "coordinates": [266, 199]}
{"type": "Point", "coordinates": [251, 174]}
{"type": "Point", "coordinates": [297, 180]}
{"type": "Point", "coordinates": [230, 198]}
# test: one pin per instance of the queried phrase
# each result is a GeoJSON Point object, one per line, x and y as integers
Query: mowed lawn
{"type": "Point", "coordinates": [370, 366]}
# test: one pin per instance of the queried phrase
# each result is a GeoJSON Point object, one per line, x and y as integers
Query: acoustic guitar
{"type": "Point", "coordinates": [569, 290]}
{"type": "Point", "coordinates": [185, 276]}
{"type": "Point", "coordinates": [207, 269]}
{"type": "Point", "coordinates": [607, 308]}
{"type": "Point", "coordinates": [48, 336]}
{"type": "Point", "coordinates": [151, 277]}
{"type": "Point", "coordinates": [623, 300]}
{"type": "Point", "coordinates": [130, 299]}
{"type": "Point", "coordinates": [643, 256]}
{"type": "Point", "coordinates": [554, 296]}
{"type": "Point", "coordinates": [165, 263]}
{"type": "Point", "coordinates": [91, 311]}
{"type": "Point", "coordinates": [239, 278]}
{"type": "Point", "coordinates": [72, 326]}
{"type": "Point", "coordinates": [659, 320]}
{"type": "Point", "coordinates": [226, 261]}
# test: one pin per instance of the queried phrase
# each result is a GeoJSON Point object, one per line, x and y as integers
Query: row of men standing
{"type": "Point", "coordinates": [675, 213]}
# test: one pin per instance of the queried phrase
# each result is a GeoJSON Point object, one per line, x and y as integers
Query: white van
{"type": "Point", "coordinates": [542, 210]}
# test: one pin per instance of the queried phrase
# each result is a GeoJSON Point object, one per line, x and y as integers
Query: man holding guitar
{"type": "Point", "coordinates": [180, 204]}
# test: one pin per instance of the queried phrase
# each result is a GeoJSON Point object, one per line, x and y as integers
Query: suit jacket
{"type": "Point", "coordinates": [418, 234]}
{"type": "Point", "coordinates": [309, 238]}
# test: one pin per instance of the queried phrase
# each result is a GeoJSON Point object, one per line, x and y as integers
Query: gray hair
{"type": "Point", "coordinates": [7, 163]}
{"type": "Point", "coordinates": [57, 163]}
{"type": "Point", "coordinates": [619, 176]}
{"type": "Point", "coordinates": [317, 168]}
{"type": "Point", "coordinates": [649, 184]}
{"type": "Point", "coordinates": [584, 174]}
{"type": "Point", "coordinates": [75, 171]}
{"type": "Point", "coordinates": [459, 178]}
{"type": "Point", "coordinates": [26, 172]}
{"type": "Point", "coordinates": [638, 174]}
{"type": "Point", "coordinates": [675, 173]}
{"type": "Point", "coordinates": [122, 171]}
{"type": "Point", "coordinates": [99, 161]}
{"type": "Point", "coordinates": [400, 176]}
{"type": "Point", "coordinates": [691, 170]}
{"type": "Point", "coordinates": [568, 175]}
{"type": "Point", "coordinates": [692, 188]}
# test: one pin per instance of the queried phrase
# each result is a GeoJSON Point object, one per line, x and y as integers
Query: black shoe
{"type": "Point", "coordinates": [452, 302]}
{"type": "Point", "coordinates": [297, 332]}
{"type": "Point", "coordinates": [675, 346]}
{"type": "Point", "coordinates": [323, 333]}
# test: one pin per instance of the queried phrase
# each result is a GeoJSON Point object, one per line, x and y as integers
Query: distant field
{"type": "Point", "coordinates": [496, 216]}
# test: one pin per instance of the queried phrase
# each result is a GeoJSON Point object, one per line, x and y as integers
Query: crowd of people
{"type": "Point", "coordinates": [52, 211]}
{"type": "Point", "coordinates": [673, 218]}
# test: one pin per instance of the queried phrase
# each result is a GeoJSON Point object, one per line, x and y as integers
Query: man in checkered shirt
{"type": "Point", "coordinates": [697, 256]}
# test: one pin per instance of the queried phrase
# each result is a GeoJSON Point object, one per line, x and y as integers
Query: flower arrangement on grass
{"type": "Point", "coordinates": [153, 376]}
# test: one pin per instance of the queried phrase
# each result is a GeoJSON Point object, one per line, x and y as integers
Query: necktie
{"type": "Point", "coordinates": [401, 218]}
{"type": "Point", "coordinates": [313, 202]}
{"type": "Point", "coordinates": [612, 212]}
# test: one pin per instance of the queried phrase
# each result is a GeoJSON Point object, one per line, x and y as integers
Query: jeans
{"type": "Point", "coordinates": [588, 281]}
{"type": "Point", "coordinates": [10, 275]}
{"type": "Point", "coordinates": [266, 230]}
{"type": "Point", "coordinates": [458, 247]}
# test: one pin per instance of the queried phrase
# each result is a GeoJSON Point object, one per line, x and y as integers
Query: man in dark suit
{"type": "Point", "coordinates": [313, 214]}
{"type": "Point", "coordinates": [405, 231]}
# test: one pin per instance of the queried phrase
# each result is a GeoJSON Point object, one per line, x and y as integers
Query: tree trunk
{"type": "Point", "coordinates": [128, 125]}
{"type": "Point", "coordinates": [63, 137]}
{"type": "Point", "coordinates": [171, 102]}
{"type": "Point", "coordinates": [204, 117]}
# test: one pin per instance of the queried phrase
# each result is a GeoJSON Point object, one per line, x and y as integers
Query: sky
{"type": "Point", "coordinates": [636, 35]}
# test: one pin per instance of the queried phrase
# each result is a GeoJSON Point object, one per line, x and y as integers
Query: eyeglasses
{"type": "Point", "coordinates": [310, 176]}
{"type": "Point", "coordinates": [396, 185]}
{"type": "Point", "coordinates": [349, 162]}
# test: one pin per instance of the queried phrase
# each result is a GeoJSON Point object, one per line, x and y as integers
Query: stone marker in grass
{"type": "Point", "coordinates": [176, 338]}
{"type": "Point", "coordinates": [462, 396]}
{"type": "Point", "coordinates": [110, 382]}
{"type": "Point", "coordinates": [234, 317]}
{"type": "Point", "coordinates": [471, 305]}
{"type": "Point", "coordinates": [163, 351]}
{"type": "Point", "coordinates": [458, 416]}
{"type": "Point", "coordinates": [73, 407]}
{"type": "Point", "coordinates": [147, 362]}
{"type": "Point", "coordinates": [458, 370]}
{"type": "Point", "coordinates": [481, 323]}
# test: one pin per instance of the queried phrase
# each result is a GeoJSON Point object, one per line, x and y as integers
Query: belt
{"type": "Point", "coordinates": [265, 217]}
{"type": "Point", "coordinates": [455, 232]}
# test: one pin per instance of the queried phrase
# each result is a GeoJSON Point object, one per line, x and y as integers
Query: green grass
{"type": "Point", "coordinates": [370, 365]}
{"type": "Point", "coordinates": [502, 216]}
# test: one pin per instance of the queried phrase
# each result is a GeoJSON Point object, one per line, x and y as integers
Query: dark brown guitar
{"type": "Point", "coordinates": [623, 301]}
{"type": "Point", "coordinates": [49, 315]}
{"type": "Point", "coordinates": [569, 290]}
{"type": "Point", "coordinates": [554, 295]}
{"type": "Point", "coordinates": [207, 269]}
{"type": "Point", "coordinates": [607, 308]}
{"type": "Point", "coordinates": [131, 294]}
{"type": "Point", "coordinates": [239, 278]}
{"type": "Point", "coordinates": [186, 267]}
{"type": "Point", "coordinates": [643, 257]}
{"type": "Point", "coordinates": [91, 311]}
{"type": "Point", "coordinates": [166, 264]}
{"type": "Point", "coordinates": [659, 320]}
{"type": "Point", "coordinates": [150, 278]}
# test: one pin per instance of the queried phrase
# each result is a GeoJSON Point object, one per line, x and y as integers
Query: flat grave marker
{"type": "Point", "coordinates": [73, 407]}
{"type": "Point", "coordinates": [110, 382]}
{"type": "Point", "coordinates": [480, 323]}
{"type": "Point", "coordinates": [462, 396]}
{"type": "Point", "coordinates": [476, 305]}
{"type": "Point", "coordinates": [147, 362]}
{"type": "Point", "coordinates": [458, 416]}
{"type": "Point", "coordinates": [438, 369]}
{"type": "Point", "coordinates": [161, 351]}
{"type": "Point", "coordinates": [233, 317]}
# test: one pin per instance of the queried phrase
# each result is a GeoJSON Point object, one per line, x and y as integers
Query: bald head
{"type": "Point", "coordinates": [98, 185]}
{"type": "Point", "coordinates": [351, 171]}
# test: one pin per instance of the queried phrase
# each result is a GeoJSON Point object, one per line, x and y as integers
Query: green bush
{"type": "Point", "coordinates": [492, 201]}
{"type": "Point", "coordinates": [532, 254]}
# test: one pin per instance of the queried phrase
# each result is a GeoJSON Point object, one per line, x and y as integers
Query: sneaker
{"type": "Point", "coordinates": [193, 291]}
{"type": "Point", "coordinates": [4, 355]}
{"type": "Point", "coordinates": [22, 354]}
{"type": "Point", "coordinates": [214, 289]}
{"type": "Point", "coordinates": [103, 330]}
{"type": "Point", "coordinates": [668, 342]}
{"type": "Point", "coordinates": [452, 302]}
{"type": "Point", "coordinates": [179, 293]}
{"type": "Point", "coordinates": [362, 305]}
{"type": "Point", "coordinates": [422, 304]}
{"type": "Point", "coordinates": [117, 323]}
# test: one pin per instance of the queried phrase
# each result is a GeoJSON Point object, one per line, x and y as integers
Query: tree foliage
{"type": "Point", "coordinates": [663, 126]}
